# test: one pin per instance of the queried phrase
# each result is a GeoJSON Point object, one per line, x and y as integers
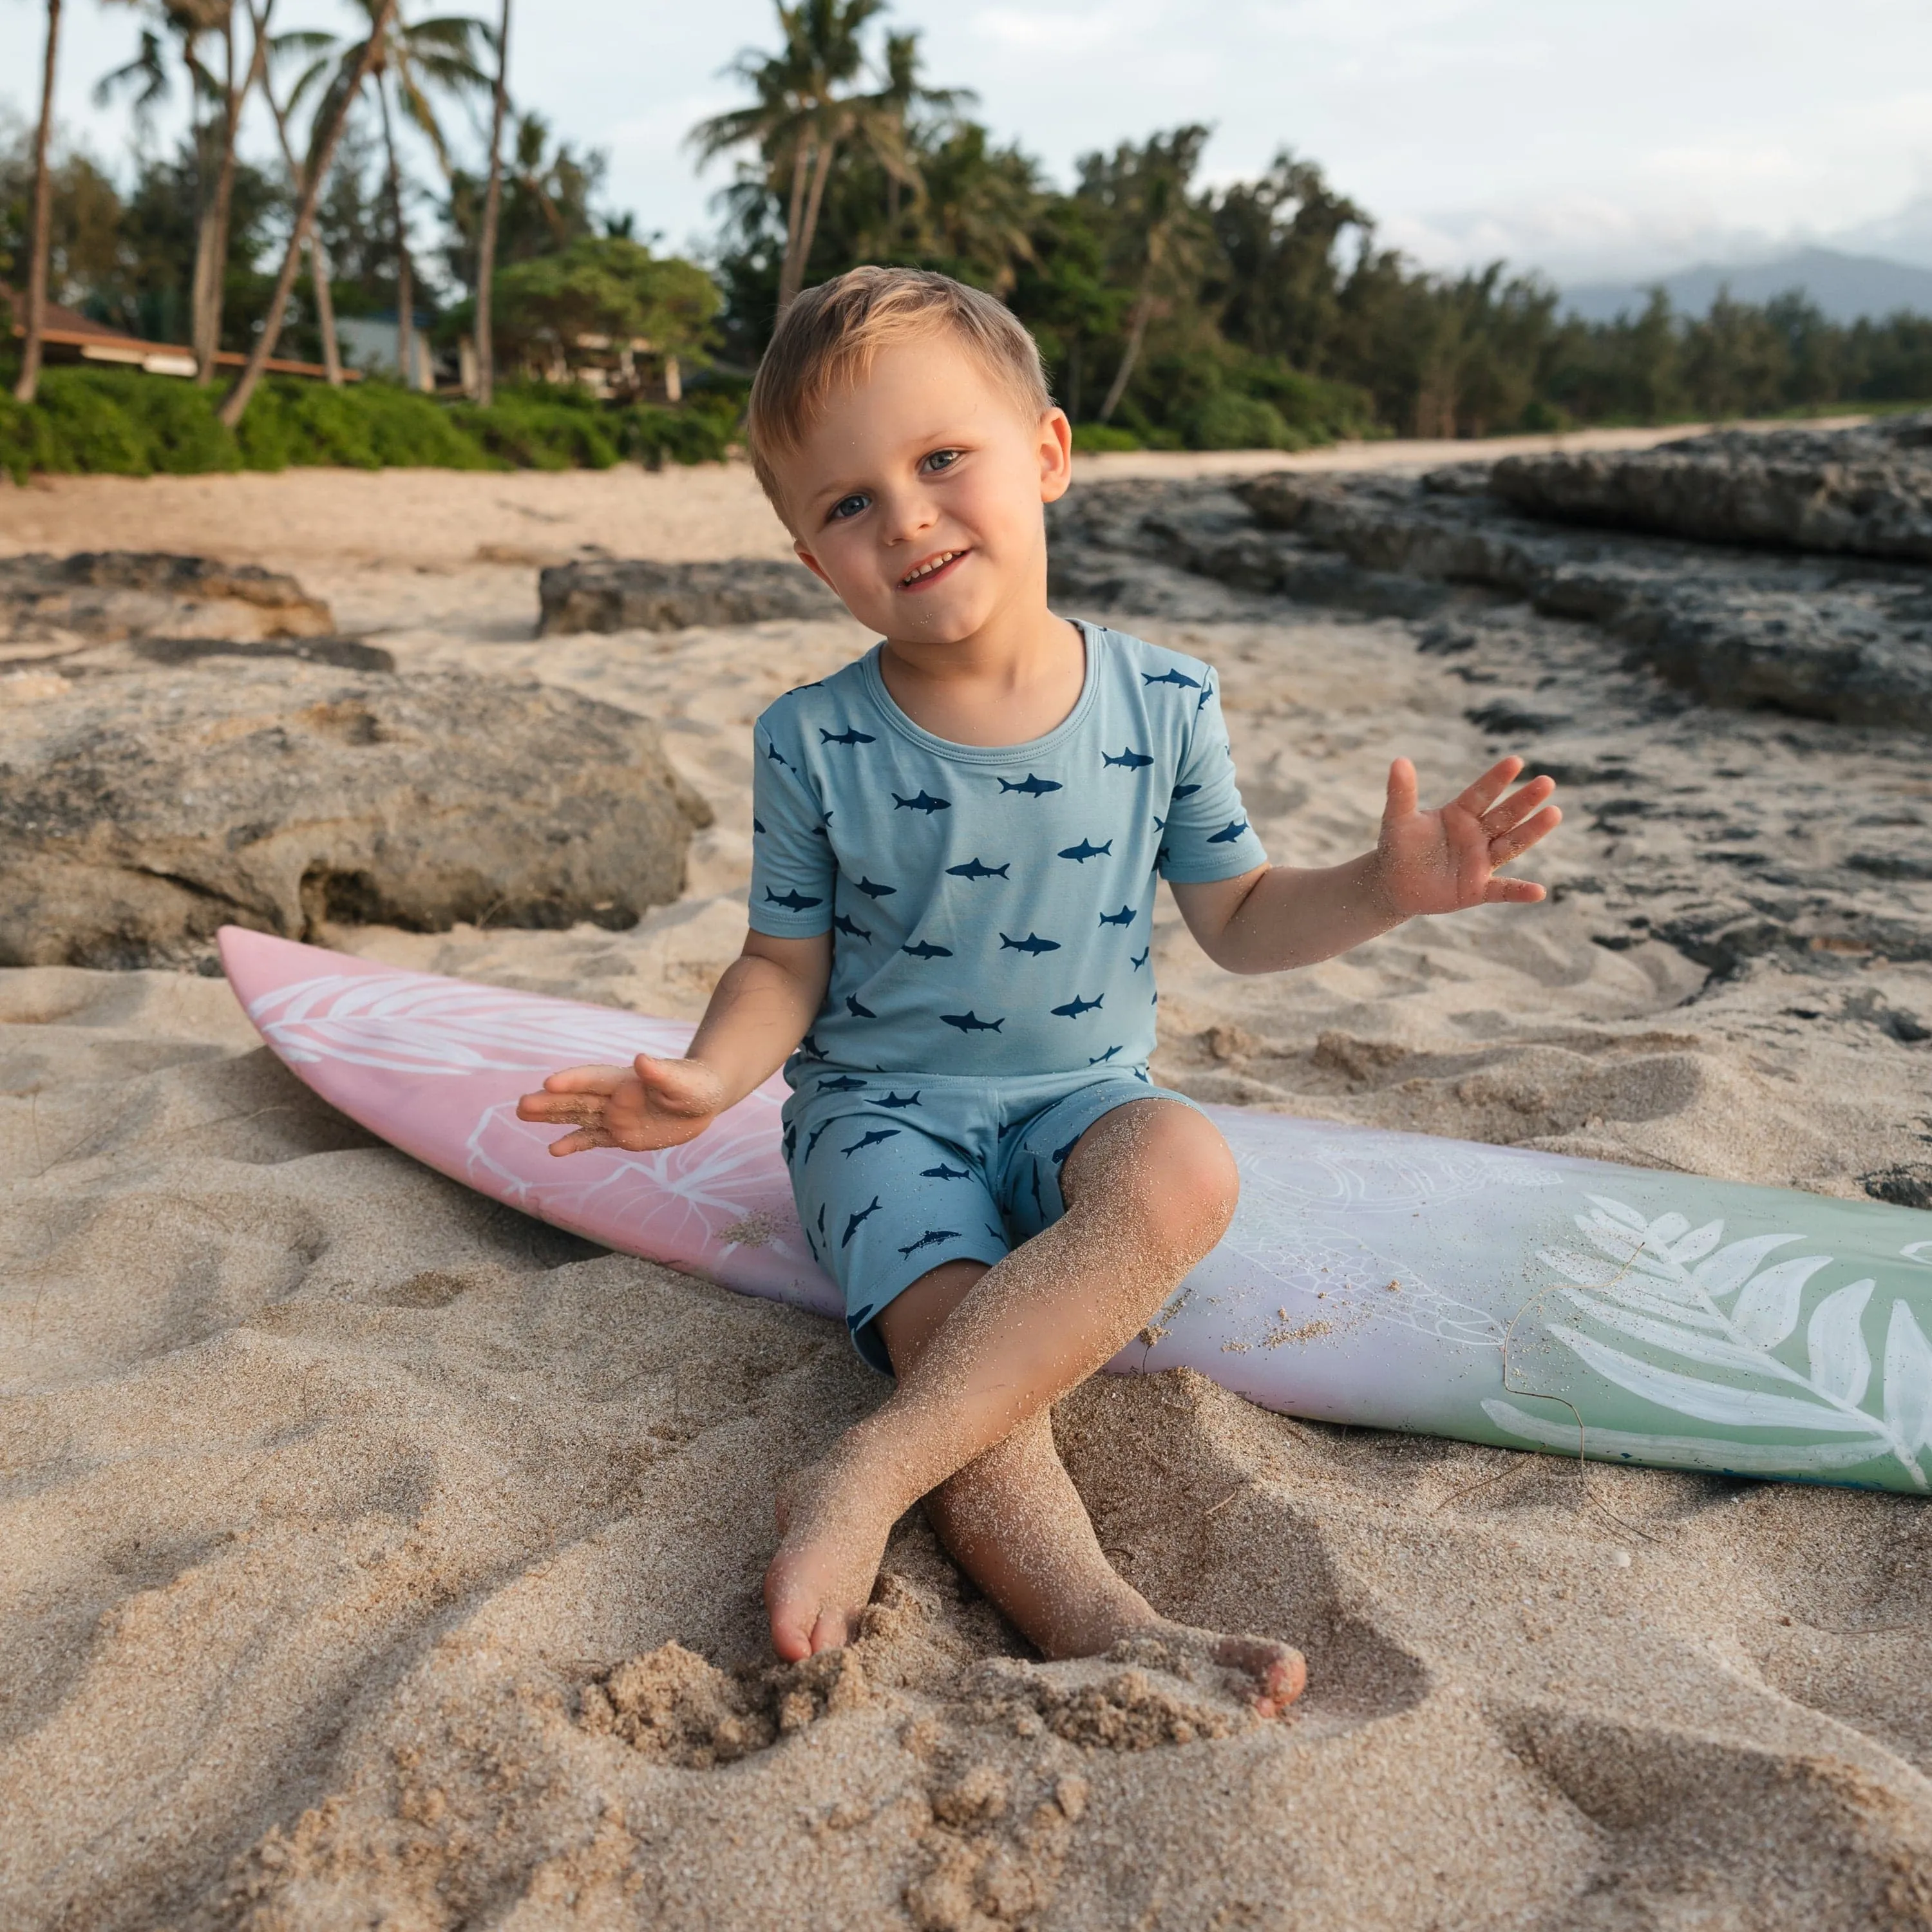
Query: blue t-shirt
{"type": "Point", "coordinates": [992, 906]}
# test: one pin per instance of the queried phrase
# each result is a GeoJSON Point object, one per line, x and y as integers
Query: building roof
{"type": "Point", "coordinates": [68, 328]}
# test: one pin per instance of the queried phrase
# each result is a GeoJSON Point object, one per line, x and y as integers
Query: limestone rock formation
{"type": "Point", "coordinates": [49, 605]}
{"type": "Point", "coordinates": [634, 596]}
{"type": "Point", "coordinates": [140, 810]}
{"type": "Point", "coordinates": [1867, 491]}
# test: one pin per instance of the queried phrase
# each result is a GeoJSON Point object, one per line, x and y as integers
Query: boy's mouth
{"type": "Point", "coordinates": [934, 567]}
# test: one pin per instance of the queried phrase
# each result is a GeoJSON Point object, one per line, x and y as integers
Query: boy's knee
{"type": "Point", "coordinates": [1176, 1177]}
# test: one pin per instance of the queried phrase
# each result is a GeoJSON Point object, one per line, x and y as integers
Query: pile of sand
{"type": "Point", "coordinates": [372, 1556]}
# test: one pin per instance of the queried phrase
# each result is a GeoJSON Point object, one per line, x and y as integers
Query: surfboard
{"type": "Point", "coordinates": [1494, 1294]}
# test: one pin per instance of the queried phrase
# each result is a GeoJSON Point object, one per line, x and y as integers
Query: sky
{"type": "Point", "coordinates": [1591, 138]}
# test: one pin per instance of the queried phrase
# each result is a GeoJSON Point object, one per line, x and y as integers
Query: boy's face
{"type": "Point", "coordinates": [917, 495]}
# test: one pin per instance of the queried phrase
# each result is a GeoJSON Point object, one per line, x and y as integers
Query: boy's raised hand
{"type": "Point", "coordinates": [1448, 860]}
{"type": "Point", "coordinates": [651, 1103]}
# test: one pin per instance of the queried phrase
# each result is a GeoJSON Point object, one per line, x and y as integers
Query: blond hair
{"type": "Point", "coordinates": [830, 335]}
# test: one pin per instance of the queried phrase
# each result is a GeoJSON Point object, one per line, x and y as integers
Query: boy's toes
{"type": "Point", "coordinates": [1279, 1671]}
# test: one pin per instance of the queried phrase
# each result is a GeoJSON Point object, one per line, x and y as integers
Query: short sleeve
{"type": "Point", "coordinates": [1208, 835]}
{"type": "Point", "coordinates": [792, 866]}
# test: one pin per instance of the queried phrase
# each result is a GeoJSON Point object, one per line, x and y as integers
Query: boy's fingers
{"type": "Point", "coordinates": [1518, 805]}
{"type": "Point", "coordinates": [1521, 892]}
{"type": "Point", "coordinates": [1401, 792]}
{"type": "Point", "coordinates": [587, 1080]}
{"type": "Point", "coordinates": [676, 1085]}
{"type": "Point", "coordinates": [581, 1142]}
{"type": "Point", "coordinates": [1487, 789]}
{"type": "Point", "coordinates": [1511, 844]}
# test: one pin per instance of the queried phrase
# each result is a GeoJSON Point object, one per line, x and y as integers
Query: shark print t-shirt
{"type": "Point", "coordinates": [991, 907]}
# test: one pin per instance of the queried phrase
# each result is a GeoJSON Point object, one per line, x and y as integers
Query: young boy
{"type": "Point", "coordinates": [956, 843]}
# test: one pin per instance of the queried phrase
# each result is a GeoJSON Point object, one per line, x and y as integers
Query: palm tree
{"type": "Point", "coordinates": [807, 109]}
{"type": "Point", "coordinates": [330, 121]}
{"type": "Point", "coordinates": [1164, 225]}
{"type": "Point", "coordinates": [28, 383]}
{"type": "Point", "coordinates": [904, 95]}
{"type": "Point", "coordinates": [413, 63]}
{"type": "Point", "coordinates": [493, 200]}
{"type": "Point", "coordinates": [323, 295]}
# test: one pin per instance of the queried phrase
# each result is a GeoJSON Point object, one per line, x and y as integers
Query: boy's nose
{"type": "Point", "coordinates": [908, 517]}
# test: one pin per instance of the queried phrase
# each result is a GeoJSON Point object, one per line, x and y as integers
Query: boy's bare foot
{"type": "Point", "coordinates": [1271, 1674]}
{"type": "Point", "coordinates": [832, 1531]}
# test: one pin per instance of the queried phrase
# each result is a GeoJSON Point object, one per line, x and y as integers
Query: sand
{"type": "Point", "coordinates": [372, 1556]}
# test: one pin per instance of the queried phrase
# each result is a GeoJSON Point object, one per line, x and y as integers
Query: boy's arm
{"type": "Point", "coordinates": [1279, 917]}
{"type": "Point", "coordinates": [759, 1010]}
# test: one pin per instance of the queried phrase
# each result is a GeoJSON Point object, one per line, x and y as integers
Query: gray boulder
{"type": "Point", "coordinates": [1866, 491]}
{"type": "Point", "coordinates": [139, 811]}
{"type": "Point", "coordinates": [617, 595]}
{"type": "Point", "coordinates": [47, 603]}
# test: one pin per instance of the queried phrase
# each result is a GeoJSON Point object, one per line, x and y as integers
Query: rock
{"type": "Point", "coordinates": [1867, 491]}
{"type": "Point", "coordinates": [140, 810]}
{"type": "Point", "coordinates": [1849, 642]}
{"type": "Point", "coordinates": [51, 604]}
{"type": "Point", "coordinates": [616, 595]}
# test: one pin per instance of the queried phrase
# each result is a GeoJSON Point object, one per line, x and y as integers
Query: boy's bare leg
{"type": "Point", "coordinates": [1150, 1188]}
{"type": "Point", "coordinates": [1015, 1524]}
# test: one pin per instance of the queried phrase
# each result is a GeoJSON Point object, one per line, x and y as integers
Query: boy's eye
{"type": "Point", "coordinates": [847, 506]}
{"type": "Point", "coordinates": [943, 459]}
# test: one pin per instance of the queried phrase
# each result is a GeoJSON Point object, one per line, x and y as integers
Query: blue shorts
{"type": "Point", "coordinates": [894, 1174]}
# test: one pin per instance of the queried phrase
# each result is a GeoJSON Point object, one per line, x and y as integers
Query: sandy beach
{"type": "Point", "coordinates": [329, 1486]}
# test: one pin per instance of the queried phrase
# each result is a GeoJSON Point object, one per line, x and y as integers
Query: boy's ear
{"type": "Point", "coordinates": [811, 563]}
{"type": "Point", "coordinates": [1056, 456]}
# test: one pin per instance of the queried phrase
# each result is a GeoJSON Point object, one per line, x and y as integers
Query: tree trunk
{"type": "Point", "coordinates": [324, 153]}
{"type": "Point", "coordinates": [205, 292]}
{"type": "Point", "coordinates": [486, 250]}
{"type": "Point", "coordinates": [1136, 330]}
{"type": "Point", "coordinates": [35, 320]}
{"type": "Point", "coordinates": [794, 268]}
{"type": "Point", "coordinates": [208, 340]}
{"type": "Point", "coordinates": [794, 217]}
{"type": "Point", "coordinates": [405, 341]}
{"type": "Point", "coordinates": [318, 258]}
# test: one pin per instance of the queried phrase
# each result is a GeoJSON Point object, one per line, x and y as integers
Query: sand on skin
{"type": "Point", "coordinates": [330, 1486]}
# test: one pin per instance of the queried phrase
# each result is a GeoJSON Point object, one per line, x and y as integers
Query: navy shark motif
{"type": "Point", "coordinates": [858, 1011]}
{"type": "Point", "coordinates": [1096, 1061]}
{"type": "Point", "coordinates": [971, 1022]}
{"type": "Point", "coordinates": [1200, 703]}
{"type": "Point", "coordinates": [851, 736]}
{"type": "Point", "coordinates": [810, 1048]}
{"type": "Point", "coordinates": [1059, 1153]}
{"type": "Point", "coordinates": [821, 1217]}
{"type": "Point", "coordinates": [1171, 677]}
{"type": "Point", "coordinates": [791, 901]}
{"type": "Point", "coordinates": [852, 1226]}
{"type": "Point", "coordinates": [975, 868]}
{"type": "Point", "coordinates": [899, 1100]}
{"type": "Point", "coordinates": [873, 891]}
{"type": "Point", "coordinates": [1125, 917]}
{"type": "Point", "coordinates": [1186, 791]}
{"type": "Point", "coordinates": [1033, 943]}
{"type": "Point", "coordinates": [872, 1139]}
{"type": "Point", "coordinates": [1086, 850]}
{"type": "Point", "coordinates": [790, 1144]}
{"type": "Point", "coordinates": [1228, 833]}
{"type": "Point", "coordinates": [1129, 759]}
{"type": "Point", "coordinates": [1031, 787]}
{"type": "Point", "coordinates": [1075, 1006]}
{"type": "Point", "coordinates": [1138, 960]}
{"type": "Point", "coordinates": [758, 825]}
{"type": "Point", "coordinates": [841, 923]}
{"type": "Point", "coordinates": [932, 1238]}
{"type": "Point", "coordinates": [942, 1172]}
{"type": "Point", "coordinates": [926, 950]}
{"type": "Point", "coordinates": [816, 1132]}
{"type": "Point", "coordinates": [772, 751]}
{"type": "Point", "coordinates": [843, 1083]}
{"type": "Point", "coordinates": [925, 803]}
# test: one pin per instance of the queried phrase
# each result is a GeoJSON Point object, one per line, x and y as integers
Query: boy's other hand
{"type": "Point", "coordinates": [651, 1103]}
{"type": "Point", "coordinates": [1446, 861]}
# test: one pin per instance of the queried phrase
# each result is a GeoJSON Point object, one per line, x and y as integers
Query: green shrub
{"type": "Point", "coordinates": [1102, 439]}
{"type": "Point", "coordinates": [121, 422]}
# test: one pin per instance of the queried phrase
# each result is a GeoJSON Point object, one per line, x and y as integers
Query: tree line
{"type": "Point", "coordinates": [1265, 313]}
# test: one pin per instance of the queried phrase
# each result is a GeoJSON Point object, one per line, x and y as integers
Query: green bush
{"type": "Point", "coordinates": [1102, 439]}
{"type": "Point", "coordinates": [121, 422]}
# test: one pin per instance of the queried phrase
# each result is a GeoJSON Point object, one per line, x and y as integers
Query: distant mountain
{"type": "Point", "coordinates": [1845, 286]}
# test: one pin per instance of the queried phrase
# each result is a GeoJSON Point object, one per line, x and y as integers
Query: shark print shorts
{"type": "Point", "coordinates": [894, 1174]}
